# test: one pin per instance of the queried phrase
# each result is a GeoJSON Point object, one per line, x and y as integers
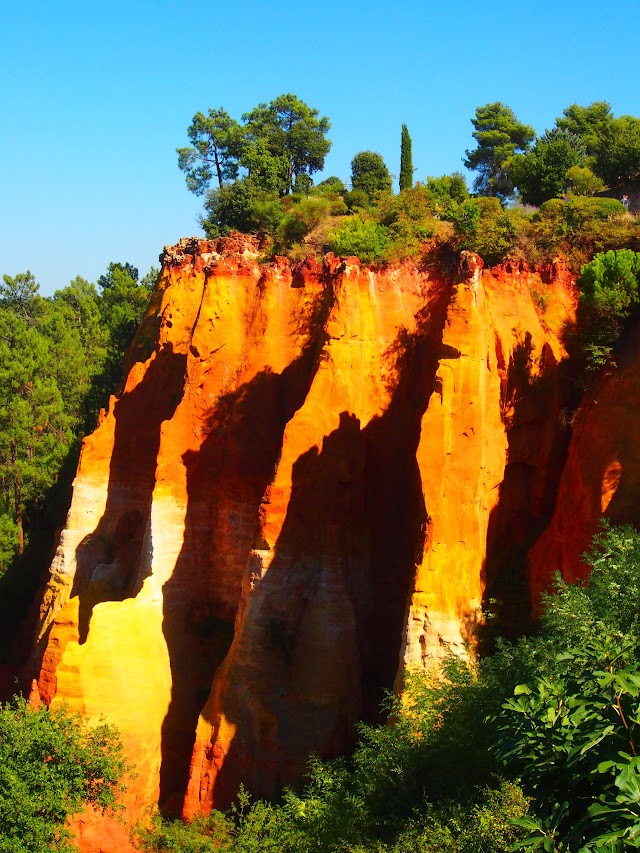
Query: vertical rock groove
{"type": "Point", "coordinates": [310, 478]}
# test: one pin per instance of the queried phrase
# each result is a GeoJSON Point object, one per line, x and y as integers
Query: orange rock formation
{"type": "Point", "coordinates": [601, 475]}
{"type": "Point", "coordinates": [314, 474]}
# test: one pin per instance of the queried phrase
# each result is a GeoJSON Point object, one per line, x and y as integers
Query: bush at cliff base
{"type": "Point", "coordinates": [51, 767]}
{"type": "Point", "coordinates": [531, 748]}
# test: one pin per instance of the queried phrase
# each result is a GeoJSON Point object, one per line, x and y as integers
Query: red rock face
{"type": "Point", "coordinates": [313, 476]}
{"type": "Point", "coordinates": [600, 478]}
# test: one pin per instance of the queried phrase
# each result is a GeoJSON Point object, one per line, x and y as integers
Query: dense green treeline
{"type": "Point", "coordinates": [533, 747]}
{"type": "Point", "coordinates": [60, 359]}
{"type": "Point", "coordinates": [587, 149]}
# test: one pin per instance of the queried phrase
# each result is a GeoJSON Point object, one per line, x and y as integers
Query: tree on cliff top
{"type": "Point", "coordinates": [215, 147]}
{"type": "Point", "coordinates": [369, 173]}
{"type": "Point", "coordinates": [292, 133]}
{"type": "Point", "coordinates": [499, 135]}
{"type": "Point", "coordinates": [276, 143]}
{"type": "Point", "coordinates": [406, 160]}
{"type": "Point", "coordinates": [52, 766]}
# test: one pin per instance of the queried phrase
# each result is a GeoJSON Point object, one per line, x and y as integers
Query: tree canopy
{"type": "Point", "coordinates": [541, 173]}
{"type": "Point", "coordinates": [60, 359]}
{"type": "Point", "coordinates": [499, 135]}
{"type": "Point", "coordinates": [406, 160]}
{"type": "Point", "coordinates": [369, 173]}
{"type": "Point", "coordinates": [216, 141]}
{"type": "Point", "coordinates": [273, 146]}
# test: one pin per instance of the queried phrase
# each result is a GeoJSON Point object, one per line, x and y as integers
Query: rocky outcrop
{"type": "Point", "coordinates": [601, 477]}
{"type": "Point", "coordinates": [313, 476]}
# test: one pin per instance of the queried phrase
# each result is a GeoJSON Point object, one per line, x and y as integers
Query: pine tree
{"type": "Point", "coordinates": [406, 161]}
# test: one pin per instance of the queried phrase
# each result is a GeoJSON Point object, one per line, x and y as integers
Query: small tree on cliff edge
{"type": "Point", "coordinates": [406, 160]}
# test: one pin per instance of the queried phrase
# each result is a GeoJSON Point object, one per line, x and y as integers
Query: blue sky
{"type": "Point", "coordinates": [96, 97]}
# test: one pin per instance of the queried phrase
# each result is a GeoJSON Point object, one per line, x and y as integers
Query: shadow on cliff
{"type": "Point", "coordinates": [23, 584]}
{"type": "Point", "coordinates": [319, 642]}
{"type": "Point", "coordinates": [534, 397]}
{"type": "Point", "coordinates": [226, 482]}
{"type": "Point", "coordinates": [111, 565]}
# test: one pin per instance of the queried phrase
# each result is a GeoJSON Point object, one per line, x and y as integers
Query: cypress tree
{"type": "Point", "coordinates": [406, 161]}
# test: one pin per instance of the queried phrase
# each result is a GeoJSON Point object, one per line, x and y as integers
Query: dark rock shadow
{"type": "Point", "coordinates": [537, 443]}
{"type": "Point", "coordinates": [326, 619]}
{"type": "Point", "coordinates": [111, 565]}
{"type": "Point", "coordinates": [226, 482]}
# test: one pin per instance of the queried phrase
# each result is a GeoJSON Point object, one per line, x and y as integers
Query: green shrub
{"type": "Point", "coordinates": [331, 186]}
{"type": "Point", "coordinates": [446, 193]}
{"type": "Point", "coordinates": [482, 226]}
{"type": "Point", "coordinates": [409, 221]}
{"type": "Point", "coordinates": [363, 238]}
{"type": "Point", "coordinates": [357, 200]}
{"type": "Point", "coordinates": [303, 217]}
{"type": "Point", "coordinates": [571, 730]}
{"type": "Point", "coordinates": [609, 292]}
{"type": "Point", "coordinates": [551, 709]}
{"type": "Point", "coordinates": [583, 181]}
{"type": "Point", "coordinates": [243, 206]}
{"type": "Point", "coordinates": [51, 767]}
{"type": "Point", "coordinates": [579, 228]}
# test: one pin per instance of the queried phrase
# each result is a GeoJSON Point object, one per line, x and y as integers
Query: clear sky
{"type": "Point", "coordinates": [97, 96]}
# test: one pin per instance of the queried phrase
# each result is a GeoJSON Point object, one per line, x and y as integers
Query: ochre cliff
{"type": "Point", "coordinates": [601, 476]}
{"type": "Point", "coordinates": [313, 476]}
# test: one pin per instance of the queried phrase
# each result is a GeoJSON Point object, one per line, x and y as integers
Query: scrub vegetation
{"type": "Point", "coordinates": [533, 198]}
{"type": "Point", "coordinates": [534, 747]}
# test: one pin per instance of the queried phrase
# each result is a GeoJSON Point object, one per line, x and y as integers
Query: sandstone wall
{"type": "Point", "coordinates": [312, 478]}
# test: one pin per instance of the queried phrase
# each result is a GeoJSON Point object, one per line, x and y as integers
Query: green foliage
{"type": "Point", "coordinates": [612, 144]}
{"type": "Point", "coordinates": [570, 729]}
{"type": "Point", "coordinates": [608, 294]}
{"type": "Point", "coordinates": [578, 229]}
{"type": "Point", "coordinates": [277, 147]}
{"type": "Point", "coordinates": [482, 226]}
{"type": "Point", "coordinates": [572, 739]}
{"type": "Point", "coordinates": [446, 193]}
{"type": "Point", "coordinates": [560, 711]}
{"type": "Point", "coordinates": [35, 429]}
{"type": "Point", "coordinates": [406, 160]}
{"type": "Point", "coordinates": [369, 173]}
{"type": "Point", "coordinates": [409, 221]}
{"type": "Point", "coordinates": [122, 303]}
{"type": "Point", "coordinates": [216, 143]}
{"type": "Point", "coordinates": [60, 358]}
{"type": "Point", "coordinates": [330, 186]}
{"type": "Point", "coordinates": [305, 216]}
{"type": "Point", "coordinates": [293, 134]}
{"type": "Point", "coordinates": [591, 124]}
{"type": "Point", "coordinates": [541, 173]}
{"type": "Point", "coordinates": [51, 767]}
{"type": "Point", "coordinates": [20, 294]}
{"type": "Point", "coordinates": [357, 200]}
{"type": "Point", "coordinates": [618, 157]}
{"type": "Point", "coordinates": [9, 537]}
{"type": "Point", "coordinates": [241, 206]}
{"type": "Point", "coordinates": [409, 786]}
{"type": "Point", "coordinates": [499, 135]}
{"type": "Point", "coordinates": [609, 283]}
{"type": "Point", "coordinates": [583, 181]}
{"type": "Point", "coordinates": [363, 238]}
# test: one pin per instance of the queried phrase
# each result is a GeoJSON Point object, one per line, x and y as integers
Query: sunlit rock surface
{"type": "Point", "coordinates": [313, 476]}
